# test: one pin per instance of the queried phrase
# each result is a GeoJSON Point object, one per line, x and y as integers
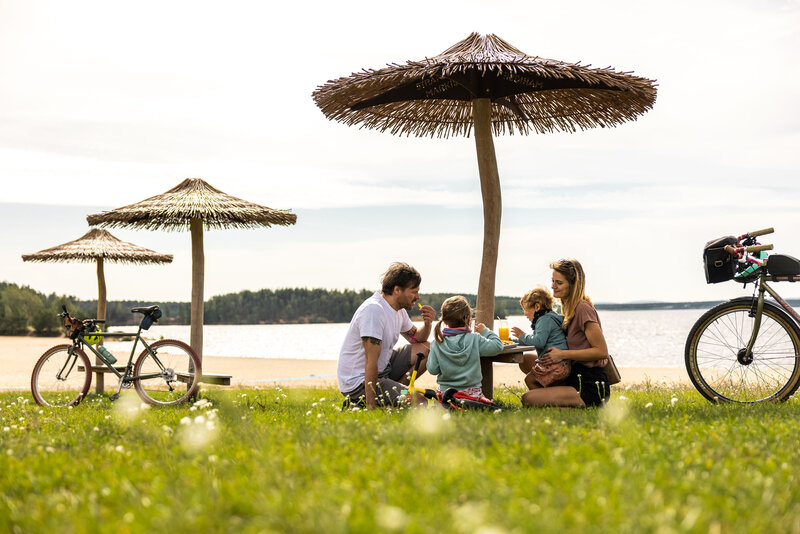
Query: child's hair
{"type": "Point", "coordinates": [456, 313]}
{"type": "Point", "coordinates": [538, 295]}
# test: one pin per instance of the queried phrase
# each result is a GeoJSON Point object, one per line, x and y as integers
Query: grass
{"type": "Point", "coordinates": [657, 459]}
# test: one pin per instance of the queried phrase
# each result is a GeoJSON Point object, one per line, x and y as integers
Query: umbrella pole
{"type": "Point", "coordinates": [492, 210]}
{"type": "Point", "coordinates": [101, 314]}
{"type": "Point", "coordinates": [198, 280]}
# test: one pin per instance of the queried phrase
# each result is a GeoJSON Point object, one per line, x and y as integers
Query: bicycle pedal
{"type": "Point", "coordinates": [114, 397]}
{"type": "Point", "coordinates": [127, 385]}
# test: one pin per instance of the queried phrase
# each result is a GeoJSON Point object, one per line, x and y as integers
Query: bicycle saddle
{"type": "Point", "coordinates": [147, 310]}
{"type": "Point", "coordinates": [783, 265]}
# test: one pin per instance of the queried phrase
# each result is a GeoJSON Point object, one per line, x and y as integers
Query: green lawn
{"type": "Point", "coordinates": [655, 460]}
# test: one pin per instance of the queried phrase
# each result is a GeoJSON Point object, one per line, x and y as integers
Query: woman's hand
{"type": "Point", "coordinates": [552, 355]}
{"type": "Point", "coordinates": [479, 327]}
{"type": "Point", "coordinates": [518, 332]}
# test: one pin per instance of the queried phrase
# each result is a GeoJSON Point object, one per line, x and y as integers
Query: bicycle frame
{"type": "Point", "coordinates": [127, 376]}
{"type": "Point", "coordinates": [763, 287]}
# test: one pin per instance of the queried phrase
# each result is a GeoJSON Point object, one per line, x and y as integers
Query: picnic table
{"type": "Point", "coordinates": [510, 354]}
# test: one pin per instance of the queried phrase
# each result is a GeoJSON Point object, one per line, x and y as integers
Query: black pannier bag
{"type": "Point", "coordinates": [719, 266]}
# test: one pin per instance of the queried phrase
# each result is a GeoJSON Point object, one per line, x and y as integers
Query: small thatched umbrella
{"type": "Point", "coordinates": [99, 246]}
{"type": "Point", "coordinates": [485, 83]}
{"type": "Point", "coordinates": [191, 205]}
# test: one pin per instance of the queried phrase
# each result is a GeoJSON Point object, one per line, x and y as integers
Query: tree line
{"type": "Point", "coordinates": [24, 310]}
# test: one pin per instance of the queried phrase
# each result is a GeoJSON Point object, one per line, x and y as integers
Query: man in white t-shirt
{"type": "Point", "coordinates": [371, 371]}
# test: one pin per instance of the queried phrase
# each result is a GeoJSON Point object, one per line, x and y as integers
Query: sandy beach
{"type": "Point", "coordinates": [19, 354]}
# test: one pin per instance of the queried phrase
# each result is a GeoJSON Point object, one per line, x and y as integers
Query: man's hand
{"type": "Point", "coordinates": [479, 327]}
{"type": "Point", "coordinates": [428, 314]}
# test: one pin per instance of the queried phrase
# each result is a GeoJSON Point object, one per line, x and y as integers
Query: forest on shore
{"type": "Point", "coordinates": [25, 311]}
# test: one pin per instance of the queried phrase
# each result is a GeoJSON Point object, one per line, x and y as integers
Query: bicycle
{"type": "Point", "coordinates": [63, 374]}
{"type": "Point", "coordinates": [746, 350]}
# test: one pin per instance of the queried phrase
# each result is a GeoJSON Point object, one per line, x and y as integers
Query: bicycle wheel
{"type": "Point", "coordinates": [170, 373]}
{"type": "Point", "coordinates": [61, 377]}
{"type": "Point", "coordinates": [720, 369]}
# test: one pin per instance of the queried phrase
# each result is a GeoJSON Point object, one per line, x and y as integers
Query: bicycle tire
{"type": "Point", "coordinates": [715, 357]}
{"type": "Point", "coordinates": [51, 386]}
{"type": "Point", "coordinates": [177, 364]}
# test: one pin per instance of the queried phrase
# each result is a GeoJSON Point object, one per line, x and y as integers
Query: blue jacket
{"type": "Point", "coordinates": [547, 333]}
{"type": "Point", "coordinates": [457, 359]}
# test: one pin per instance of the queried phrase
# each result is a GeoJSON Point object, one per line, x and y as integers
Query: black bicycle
{"type": "Point", "coordinates": [166, 372]}
{"type": "Point", "coordinates": [746, 350]}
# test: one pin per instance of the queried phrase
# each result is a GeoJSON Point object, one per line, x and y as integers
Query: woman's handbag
{"type": "Point", "coordinates": [546, 375]}
{"type": "Point", "coordinates": [612, 372]}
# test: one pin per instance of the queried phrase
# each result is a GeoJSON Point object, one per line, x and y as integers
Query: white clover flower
{"type": "Point", "coordinates": [167, 429]}
{"type": "Point", "coordinates": [308, 412]}
{"type": "Point", "coordinates": [6, 429]}
{"type": "Point", "coordinates": [623, 397]}
{"type": "Point", "coordinates": [674, 400]}
{"type": "Point", "coordinates": [95, 429]}
{"type": "Point", "coordinates": [649, 404]}
{"type": "Point", "coordinates": [199, 420]}
{"type": "Point", "coordinates": [186, 421]}
{"type": "Point", "coordinates": [119, 448]}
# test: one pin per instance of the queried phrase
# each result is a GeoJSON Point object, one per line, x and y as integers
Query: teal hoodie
{"type": "Point", "coordinates": [457, 359]}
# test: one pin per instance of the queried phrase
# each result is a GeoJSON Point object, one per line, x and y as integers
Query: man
{"type": "Point", "coordinates": [370, 370]}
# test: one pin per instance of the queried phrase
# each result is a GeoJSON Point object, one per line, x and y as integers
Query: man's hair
{"type": "Point", "coordinates": [400, 274]}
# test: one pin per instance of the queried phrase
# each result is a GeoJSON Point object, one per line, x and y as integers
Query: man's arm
{"type": "Point", "coordinates": [421, 335]}
{"type": "Point", "coordinates": [372, 349]}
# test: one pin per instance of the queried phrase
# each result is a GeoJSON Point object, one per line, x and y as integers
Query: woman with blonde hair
{"type": "Point", "coordinates": [587, 383]}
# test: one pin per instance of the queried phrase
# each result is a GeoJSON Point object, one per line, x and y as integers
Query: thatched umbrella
{"type": "Point", "coordinates": [99, 246]}
{"type": "Point", "coordinates": [191, 205]}
{"type": "Point", "coordinates": [486, 84]}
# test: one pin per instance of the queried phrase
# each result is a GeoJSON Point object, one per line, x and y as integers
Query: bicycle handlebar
{"type": "Point", "coordinates": [752, 248]}
{"type": "Point", "coordinates": [757, 233]}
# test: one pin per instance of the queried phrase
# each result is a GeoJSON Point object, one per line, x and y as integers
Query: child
{"type": "Point", "coordinates": [547, 332]}
{"type": "Point", "coordinates": [456, 351]}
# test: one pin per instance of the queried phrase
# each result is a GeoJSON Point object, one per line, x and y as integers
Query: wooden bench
{"type": "Point", "coordinates": [206, 378]}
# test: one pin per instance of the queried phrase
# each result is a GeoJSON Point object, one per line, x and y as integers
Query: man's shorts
{"type": "Point", "coordinates": [387, 391]}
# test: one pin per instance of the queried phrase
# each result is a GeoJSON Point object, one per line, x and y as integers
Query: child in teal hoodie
{"type": "Point", "coordinates": [548, 332]}
{"type": "Point", "coordinates": [456, 351]}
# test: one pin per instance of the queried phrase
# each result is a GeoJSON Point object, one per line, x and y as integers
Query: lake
{"type": "Point", "coordinates": [646, 338]}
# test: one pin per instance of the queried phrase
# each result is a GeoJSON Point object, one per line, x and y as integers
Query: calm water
{"type": "Point", "coordinates": [652, 338]}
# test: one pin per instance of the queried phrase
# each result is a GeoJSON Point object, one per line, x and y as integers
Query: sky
{"type": "Point", "coordinates": [103, 104]}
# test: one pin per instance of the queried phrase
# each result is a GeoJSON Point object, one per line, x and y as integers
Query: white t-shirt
{"type": "Point", "coordinates": [374, 318]}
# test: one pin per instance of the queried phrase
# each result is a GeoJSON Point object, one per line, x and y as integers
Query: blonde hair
{"type": "Point", "coordinates": [538, 295]}
{"type": "Point", "coordinates": [572, 270]}
{"type": "Point", "coordinates": [456, 313]}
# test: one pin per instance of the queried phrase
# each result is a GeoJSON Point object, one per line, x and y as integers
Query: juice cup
{"type": "Point", "coordinates": [502, 331]}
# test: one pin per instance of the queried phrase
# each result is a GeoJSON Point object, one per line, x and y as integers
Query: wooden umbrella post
{"type": "Point", "coordinates": [198, 280]}
{"type": "Point", "coordinates": [492, 210]}
{"type": "Point", "coordinates": [99, 380]}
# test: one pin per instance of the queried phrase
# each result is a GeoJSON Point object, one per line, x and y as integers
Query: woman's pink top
{"type": "Point", "coordinates": [576, 331]}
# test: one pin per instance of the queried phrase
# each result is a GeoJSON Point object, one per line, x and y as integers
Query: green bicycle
{"type": "Point", "coordinates": [746, 350]}
{"type": "Point", "coordinates": [166, 372]}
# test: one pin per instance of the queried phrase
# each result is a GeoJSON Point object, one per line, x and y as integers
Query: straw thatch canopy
{"type": "Point", "coordinates": [433, 96]}
{"type": "Point", "coordinates": [192, 199]}
{"type": "Point", "coordinates": [194, 205]}
{"type": "Point", "coordinates": [96, 244]}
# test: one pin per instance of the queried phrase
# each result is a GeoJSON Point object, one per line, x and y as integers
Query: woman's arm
{"type": "Point", "coordinates": [597, 351]}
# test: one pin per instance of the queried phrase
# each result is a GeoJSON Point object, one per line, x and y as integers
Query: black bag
{"type": "Point", "coordinates": [148, 320]}
{"type": "Point", "coordinates": [719, 266]}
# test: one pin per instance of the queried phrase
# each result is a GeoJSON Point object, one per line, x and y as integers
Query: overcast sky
{"type": "Point", "coordinates": [103, 104]}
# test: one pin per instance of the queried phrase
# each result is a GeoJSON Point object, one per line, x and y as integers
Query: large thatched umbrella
{"type": "Point", "coordinates": [192, 205]}
{"type": "Point", "coordinates": [99, 246]}
{"type": "Point", "coordinates": [486, 84]}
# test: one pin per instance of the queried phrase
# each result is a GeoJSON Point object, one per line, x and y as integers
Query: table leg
{"type": "Point", "coordinates": [487, 383]}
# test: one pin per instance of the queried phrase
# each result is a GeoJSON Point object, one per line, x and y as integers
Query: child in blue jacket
{"type": "Point", "coordinates": [547, 332]}
{"type": "Point", "coordinates": [456, 351]}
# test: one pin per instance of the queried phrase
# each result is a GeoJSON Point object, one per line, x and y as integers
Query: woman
{"type": "Point", "coordinates": [587, 384]}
